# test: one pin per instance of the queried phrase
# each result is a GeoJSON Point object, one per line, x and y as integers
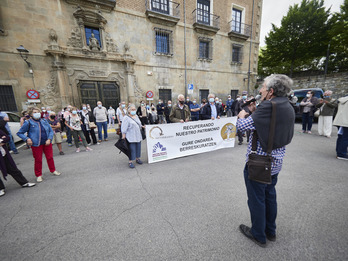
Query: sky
{"type": "Point", "coordinates": [273, 12]}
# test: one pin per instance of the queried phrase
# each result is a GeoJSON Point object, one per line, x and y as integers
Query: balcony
{"type": "Point", "coordinates": [204, 22]}
{"type": "Point", "coordinates": [163, 12]}
{"type": "Point", "coordinates": [239, 30]}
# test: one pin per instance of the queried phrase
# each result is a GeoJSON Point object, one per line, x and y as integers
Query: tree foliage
{"type": "Point", "coordinates": [300, 42]}
{"type": "Point", "coordinates": [338, 59]}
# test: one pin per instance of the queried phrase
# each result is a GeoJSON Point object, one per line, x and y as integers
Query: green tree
{"type": "Point", "coordinates": [300, 42]}
{"type": "Point", "coordinates": [338, 59]}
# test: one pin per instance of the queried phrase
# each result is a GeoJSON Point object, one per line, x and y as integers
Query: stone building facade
{"type": "Point", "coordinates": [81, 51]}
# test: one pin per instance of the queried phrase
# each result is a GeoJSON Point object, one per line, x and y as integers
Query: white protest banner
{"type": "Point", "coordinates": [169, 141]}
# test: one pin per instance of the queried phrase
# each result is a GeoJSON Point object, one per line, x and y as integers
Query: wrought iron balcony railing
{"type": "Point", "coordinates": [203, 17]}
{"type": "Point", "coordinates": [237, 27]}
{"type": "Point", "coordinates": [165, 7]}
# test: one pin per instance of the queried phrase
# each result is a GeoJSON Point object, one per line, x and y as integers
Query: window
{"type": "Point", "coordinates": [203, 94]}
{"type": "Point", "coordinates": [203, 11]}
{"type": "Point", "coordinates": [163, 41]}
{"type": "Point", "coordinates": [7, 99]}
{"type": "Point", "coordinates": [161, 6]}
{"type": "Point", "coordinates": [236, 20]}
{"type": "Point", "coordinates": [234, 94]}
{"type": "Point", "coordinates": [89, 31]}
{"type": "Point", "coordinates": [165, 95]}
{"type": "Point", "coordinates": [237, 55]}
{"type": "Point", "coordinates": [205, 48]}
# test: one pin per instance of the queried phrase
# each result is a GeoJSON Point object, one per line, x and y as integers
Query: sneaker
{"type": "Point", "coordinates": [78, 150]}
{"type": "Point", "coordinates": [131, 165]}
{"type": "Point", "coordinates": [39, 179]}
{"type": "Point", "coordinates": [98, 143]}
{"type": "Point", "coordinates": [139, 161]}
{"type": "Point", "coordinates": [88, 149]}
{"type": "Point", "coordinates": [309, 132]}
{"type": "Point", "coordinates": [105, 139]}
{"type": "Point", "coordinates": [240, 143]}
{"type": "Point", "coordinates": [2, 192]}
{"type": "Point", "coordinates": [61, 153]}
{"type": "Point", "coordinates": [342, 158]}
{"type": "Point", "coordinates": [69, 144]}
{"type": "Point", "coordinates": [28, 185]}
{"type": "Point", "coordinates": [89, 144]}
{"type": "Point", "coordinates": [16, 152]}
{"type": "Point", "coordinates": [56, 173]}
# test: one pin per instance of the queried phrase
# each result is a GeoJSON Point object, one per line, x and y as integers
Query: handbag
{"type": "Point", "coordinates": [92, 125]}
{"type": "Point", "coordinates": [259, 166]}
{"type": "Point", "coordinates": [142, 130]}
{"type": "Point", "coordinates": [317, 113]}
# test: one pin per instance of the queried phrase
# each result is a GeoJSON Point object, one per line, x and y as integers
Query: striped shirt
{"type": "Point", "coordinates": [277, 154]}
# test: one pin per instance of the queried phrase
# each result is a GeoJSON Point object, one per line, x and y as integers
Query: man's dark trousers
{"type": "Point", "coordinates": [262, 202]}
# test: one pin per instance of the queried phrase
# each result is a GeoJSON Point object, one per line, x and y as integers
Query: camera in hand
{"type": "Point", "coordinates": [257, 97]}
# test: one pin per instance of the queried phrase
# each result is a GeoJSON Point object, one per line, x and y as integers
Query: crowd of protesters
{"type": "Point", "coordinates": [41, 128]}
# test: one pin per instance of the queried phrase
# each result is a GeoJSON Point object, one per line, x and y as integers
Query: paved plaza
{"type": "Point", "coordinates": [183, 209]}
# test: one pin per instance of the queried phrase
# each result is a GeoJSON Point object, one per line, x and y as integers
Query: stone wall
{"type": "Point", "coordinates": [336, 82]}
{"type": "Point", "coordinates": [59, 67]}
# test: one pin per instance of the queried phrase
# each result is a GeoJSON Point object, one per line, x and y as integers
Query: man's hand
{"type": "Point", "coordinates": [212, 118]}
{"type": "Point", "coordinates": [252, 107]}
{"type": "Point", "coordinates": [218, 117]}
{"type": "Point", "coordinates": [182, 121]}
{"type": "Point", "coordinates": [48, 142]}
{"type": "Point", "coordinates": [29, 142]}
{"type": "Point", "coordinates": [187, 120]}
{"type": "Point", "coordinates": [242, 114]}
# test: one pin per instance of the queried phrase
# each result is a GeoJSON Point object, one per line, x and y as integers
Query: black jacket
{"type": "Point", "coordinates": [285, 121]}
{"type": "Point", "coordinates": [206, 112]}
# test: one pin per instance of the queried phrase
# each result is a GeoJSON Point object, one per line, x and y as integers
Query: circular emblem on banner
{"type": "Point", "coordinates": [149, 94]}
{"type": "Point", "coordinates": [228, 131]}
{"type": "Point", "coordinates": [32, 94]}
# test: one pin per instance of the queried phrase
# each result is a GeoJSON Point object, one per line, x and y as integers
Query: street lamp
{"type": "Point", "coordinates": [24, 54]}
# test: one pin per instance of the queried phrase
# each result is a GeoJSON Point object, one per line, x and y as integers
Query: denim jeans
{"type": "Point", "coordinates": [12, 144]}
{"type": "Point", "coordinates": [68, 135]}
{"type": "Point", "coordinates": [342, 143]}
{"type": "Point", "coordinates": [135, 148]}
{"type": "Point", "coordinates": [262, 202]}
{"type": "Point", "coordinates": [101, 126]}
{"type": "Point", "coordinates": [307, 120]}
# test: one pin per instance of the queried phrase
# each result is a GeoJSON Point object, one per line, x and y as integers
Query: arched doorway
{"type": "Point", "coordinates": [106, 92]}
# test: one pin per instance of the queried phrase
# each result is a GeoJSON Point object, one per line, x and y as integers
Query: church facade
{"type": "Point", "coordinates": [82, 51]}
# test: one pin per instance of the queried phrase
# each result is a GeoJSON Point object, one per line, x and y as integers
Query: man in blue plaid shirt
{"type": "Point", "coordinates": [262, 197]}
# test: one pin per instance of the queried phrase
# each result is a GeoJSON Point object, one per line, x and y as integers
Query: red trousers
{"type": "Point", "coordinates": [37, 154]}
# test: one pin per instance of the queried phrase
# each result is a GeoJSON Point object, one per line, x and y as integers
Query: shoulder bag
{"type": "Point", "coordinates": [259, 166]}
{"type": "Point", "coordinates": [142, 131]}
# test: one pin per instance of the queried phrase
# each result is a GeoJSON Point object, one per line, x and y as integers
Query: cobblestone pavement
{"type": "Point", "coordinates": [183, 209]}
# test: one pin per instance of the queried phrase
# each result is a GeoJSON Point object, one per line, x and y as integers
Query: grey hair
{"type": "Point", "coordinates": [328, 92]}
{"type": "Point", "coordinates": [280, 83]}
{"type": "Point", "coordinates": [130, 107]}
{"type": "Point", "coordinates": [180, 95]}
{"type": "Point", "coordinates": [211, 95]}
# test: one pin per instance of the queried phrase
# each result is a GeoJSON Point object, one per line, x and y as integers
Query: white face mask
{"type": "Point", "coordinates": [37, 115]}
{"type": "Point", "coordinates": [99, 105]}
{"type": "Point", "coordinates": [308, 95]}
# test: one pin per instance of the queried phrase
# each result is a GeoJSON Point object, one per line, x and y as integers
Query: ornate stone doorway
{"type": "Point", "coordinates": [106, 92]}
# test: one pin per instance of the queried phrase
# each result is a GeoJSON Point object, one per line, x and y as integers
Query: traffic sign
{"type": "Point", "coordinates": [149, 94]}
{"type": "Point", "coordinates": [33, 94]}
{"type": "Point", "coordinates": [190, 87]}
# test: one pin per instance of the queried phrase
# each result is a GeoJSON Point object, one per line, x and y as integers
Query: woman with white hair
{"type": "Point", "coordinates": [130, 129]}
{"type": "Point", "coordinates": [327, 107]}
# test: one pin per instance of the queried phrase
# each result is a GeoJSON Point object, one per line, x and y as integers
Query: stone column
{"type": "Point", "coordinates": [130, 81]}
{"type": "Point", "coordinates": [102, 37]}
{"type": "Point", "coordinates": [83, 33]}
{"type": "Point", "coordinates": [66, 95]}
